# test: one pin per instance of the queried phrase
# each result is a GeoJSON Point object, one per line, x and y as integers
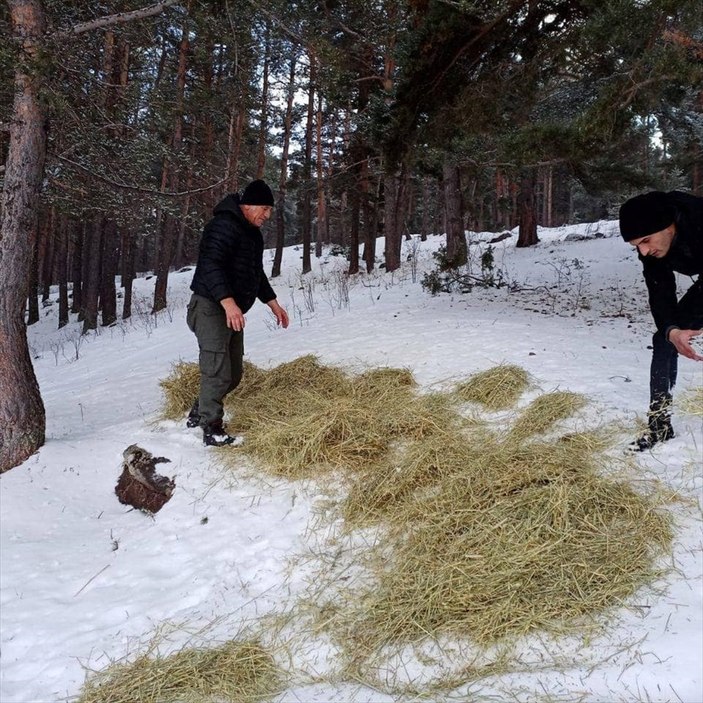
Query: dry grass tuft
{"type": "Point", "coordinates": [498, 388]}
{"type": "Point", "coordinates": [544, 412]}
{"type": "Point", "coordinates": [235, 671]}
{"type": "Point", "coordinates": [691, 402]}
{"type": "Point", "coordinates": [181, 388]}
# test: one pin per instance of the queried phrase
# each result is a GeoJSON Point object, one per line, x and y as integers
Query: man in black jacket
{"type": "Point", "coordinates": [667, 231]}
{"type": "Point", "coordinates": [228, 279]}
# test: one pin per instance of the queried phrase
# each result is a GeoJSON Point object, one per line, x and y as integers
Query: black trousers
{"type": "Point", "coordinates": [662, 377]}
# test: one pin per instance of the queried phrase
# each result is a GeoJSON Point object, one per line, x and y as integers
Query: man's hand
{"type": "Point", "coordinates": [235, 317]}
{"type": "Point", "coordinates": [280, 314]}
{"type": "Point", "coordinates": [681, 339]}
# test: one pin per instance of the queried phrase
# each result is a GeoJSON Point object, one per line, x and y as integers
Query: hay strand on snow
{"type": "Point", "coordinates": [691, 402]}
{"type": "Point", "coordinates": [544, 412]}
{"type": "Point", "coordinates": [498, 388]}
{"type": "Point", "coordinates": [235, 671]}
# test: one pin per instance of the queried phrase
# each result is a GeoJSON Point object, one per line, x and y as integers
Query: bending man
{"type": "Point", "coordinates": [667, 231]}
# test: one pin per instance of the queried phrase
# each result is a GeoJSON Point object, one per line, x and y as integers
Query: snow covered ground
{"type": "Point", "coordinates": [84, 580]}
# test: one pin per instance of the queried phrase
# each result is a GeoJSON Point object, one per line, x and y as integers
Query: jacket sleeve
{"type": "Point", "coordinates": [265, 294]}
{"type": "Point", "coordinates": [661, 285]}
{"type": "Point", "coordinates": [215, 250]}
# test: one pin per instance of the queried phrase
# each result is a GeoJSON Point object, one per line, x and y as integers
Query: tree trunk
{"type": "Point", "coordinates": [109, 259]}
{"type": "Point", "coordinates": [169, 226]}
{"type": "Point", "coordinates": [22, 417]}
{"type": "Point", "coordinates": [321, 230]}
{"type": "Point", "coordinates": [527, 233]}
{"type": "Point", "coordinates": [33, 297]}
{"type": "Point", "coordinates": [62, 270]}
{"type": "Point", "coordinates": [283, 177]}
{"type": "Point", "coordinates": [264, 122]}
{"type": "Point", "coordinates": [129, 257]}
{"type": "Point", "coordinates": [457, 254]}
{"type": "Point", "coordinates": [391, 226]}
{"type": "Point", "coordinates": [307, 167]}
{"type": "Point", "coordinates": [91, 274]}
{"type": "Point", "coordinates": [77, 267]}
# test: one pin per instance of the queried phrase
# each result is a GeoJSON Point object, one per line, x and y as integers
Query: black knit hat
{"type": "Point", "coordinates": [257, 193]}
{"type": "Point", "coordinates": [645, 214]}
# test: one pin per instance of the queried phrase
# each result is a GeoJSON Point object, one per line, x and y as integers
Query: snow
{"type": "Point", "coordinates": [84, 580]}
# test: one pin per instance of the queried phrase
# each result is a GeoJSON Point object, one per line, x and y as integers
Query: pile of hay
{"type": "Point", "coordinates": [236, 671]}
{"type": "Point", "coordinates": [302, 418]}
{"type": "Point", "coordinates": [488, 535]}
{"type": "Point", "coordinates": [498, 388]}
{"type": "Point", "coordinates": [488, 528]}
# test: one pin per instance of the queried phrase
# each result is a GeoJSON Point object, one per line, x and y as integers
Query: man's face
{"type": "Point", "coordinates": [257, 214]}
{"type": "Point", "coordinates": [657, 244]}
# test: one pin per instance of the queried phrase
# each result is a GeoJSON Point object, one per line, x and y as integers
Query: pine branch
{"type": "Point", "coordinates": [139, 189]}
{"type": "Point", "coordinates": [112, 20]}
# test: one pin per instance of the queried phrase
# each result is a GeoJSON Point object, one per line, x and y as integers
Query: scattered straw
{"type": "Point", "coordinates": [544, 412]}
{"type": "Point", "coordinates": [484, 534]}
{"type": "Point", "coordinates": [691, 402]}
{"type": "Point", "coordinates": [236, 671]}
{"type": "Point", "coordinates": [497, 389]}
{"type": "Point", "coordinates": [494, 541]}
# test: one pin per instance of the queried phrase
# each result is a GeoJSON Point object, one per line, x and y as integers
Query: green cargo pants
{"type": "Point", "coordinates": [221, 355]}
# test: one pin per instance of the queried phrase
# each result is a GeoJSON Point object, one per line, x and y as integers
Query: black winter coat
{"type": "Point", "coordinates": [685, 256]}
{"type": "Point", "coordinates": [230, 260]}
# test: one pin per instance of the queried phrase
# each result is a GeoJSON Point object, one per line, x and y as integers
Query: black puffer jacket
{"type": "Point", "coordinates": [230, 261]}
{"type": "Point", "coordinates": [685, 256]}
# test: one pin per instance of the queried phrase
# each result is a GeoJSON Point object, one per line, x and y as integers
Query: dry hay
{"type": "Point", "coordinates": [235, 671]}
{"type": "Point", "coordinates": [486, 534]}
{"type": "Point", "coordinates": [181, 388]}
{"type": "Point", "coordinates": [303, 418]}
{"type": "Point", "coordinates": [498, 388]}
{"type": "Point", "coordinates": [492, 541]}
{"type": "Point", "coordinates": [691, 402]}
{"type": "Point", "coordinates": [544, 412]}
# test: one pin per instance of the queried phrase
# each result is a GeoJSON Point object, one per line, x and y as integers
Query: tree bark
{"type": "Point", "coordinates": [62, 270]}
{"type": "Point", "coordinates": [527, 233]}
{"type": "Point", "coordinates": [321, 230]}
{"type": "Point", "coordinates": [92, 246]}
{"type": "Point", "coordinates": [22, 416]}
{"type": "Point", "coordinates": [283, 177]}
{"type": "Point", "coordinates": [391, 226]}
{"type": "Point", "coordinates": [109, 260]}
{"type": "Point", "coordinates": [169, 225]}
{"type": "Point", "coordinates": [129, 251]}
{"type": "Point", "coordinates": [307, 167]}
{"type": "Point", "coordinates": [264, 123]}
{"type": "Point", "coordinates": [457, 254]}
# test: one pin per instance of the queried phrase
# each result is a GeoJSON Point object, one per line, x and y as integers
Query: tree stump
{"type": "Point", "coordinates": [139, 485]}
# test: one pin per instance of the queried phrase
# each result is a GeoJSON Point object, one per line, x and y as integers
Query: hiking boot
{"type": "Point", "coordinates": [194, 415]}
{"type": "Point", "coordinates": [215, 435]}
{"type": "Point", "coordinates": [660, 430]}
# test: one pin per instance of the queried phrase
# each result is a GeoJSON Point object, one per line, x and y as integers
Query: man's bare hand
{"type": "Point", "coordinates": [681, 339]}
{"type": "Point", "coordinates": [279, 312]}
{"type": "Point", "coordinates": [235, 317]}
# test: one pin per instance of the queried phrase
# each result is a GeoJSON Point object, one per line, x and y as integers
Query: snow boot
{"type": "Point", "coordinates": [215, 435]}
{"type": "Point", "coordinates": [659, 429]}
{"type": "Point", "coordinates": [194, 415]}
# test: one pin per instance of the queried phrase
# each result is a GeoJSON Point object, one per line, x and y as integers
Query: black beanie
{"type": "Point", "coordinates": [257, 193]}
{"type": "Point", "coordinates": [645, 214]}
